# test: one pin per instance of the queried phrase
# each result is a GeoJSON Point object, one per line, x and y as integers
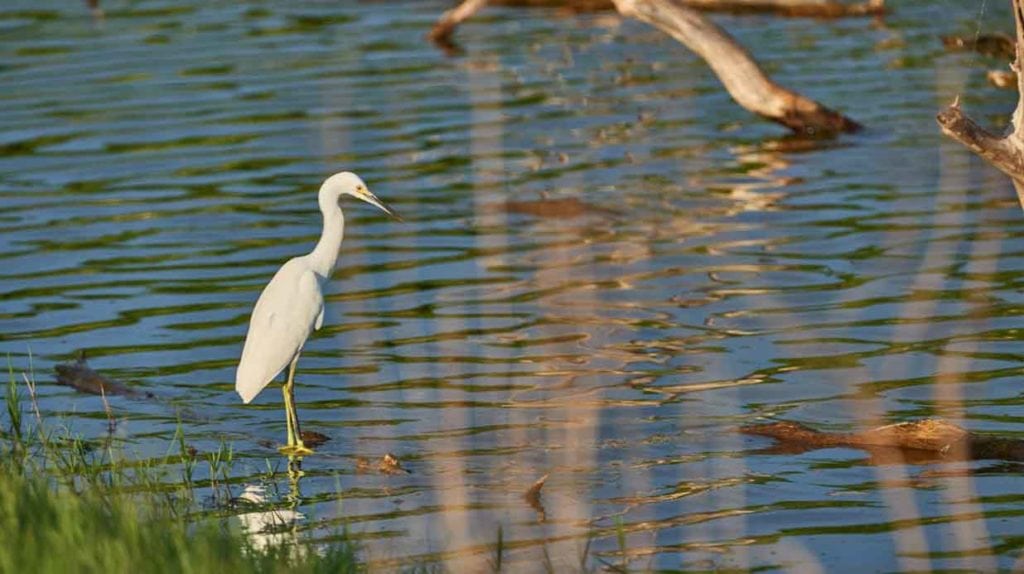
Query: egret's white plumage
{"type": "Point", "coordinates": [291, 306]}
{"type": "Point", "coordinates": [289, 309]}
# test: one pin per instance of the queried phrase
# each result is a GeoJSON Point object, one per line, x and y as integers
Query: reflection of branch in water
{"type": "Point", "coordinates": [769, 160]}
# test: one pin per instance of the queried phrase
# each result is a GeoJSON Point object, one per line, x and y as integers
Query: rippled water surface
{"type": "Point", "coordinates": [606, 267]}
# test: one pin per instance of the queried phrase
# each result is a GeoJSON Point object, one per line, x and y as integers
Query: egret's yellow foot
{"type": "Point", "coordinates": [295, 450]}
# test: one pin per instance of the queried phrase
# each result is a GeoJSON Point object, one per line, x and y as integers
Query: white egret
{"type": "Point", "coordinates": [291, 306]}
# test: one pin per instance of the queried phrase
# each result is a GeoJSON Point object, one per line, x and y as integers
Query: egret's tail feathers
{"type": "Point", "coordinates": [248, 385]}
{"type": "Point", "coordinates": [247, 394]}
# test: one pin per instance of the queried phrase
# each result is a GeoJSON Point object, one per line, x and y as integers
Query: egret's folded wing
{"type": "Point", "coordinates": [281, 321]}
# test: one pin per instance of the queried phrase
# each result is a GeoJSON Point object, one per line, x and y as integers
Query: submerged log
{"type": "Point", "coordinates": [80, 376]}
{"type": "Point", "coordinates": [1006, 152]}
{"type": "Point", "coordinates": [941, 439]}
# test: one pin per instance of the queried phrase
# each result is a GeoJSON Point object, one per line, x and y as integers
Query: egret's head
{"type": "Point", "coordinates": [348, 183]}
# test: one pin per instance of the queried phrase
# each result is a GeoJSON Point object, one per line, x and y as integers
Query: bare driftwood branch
{"type": "Point", "coordinates": [441, 33]}
{"type": "Point", "coordinates": [742, 77]}
{"type": "Point", "coordinates": [1006, 152]}
{"type": "Point", "coordinates": [798, 8]}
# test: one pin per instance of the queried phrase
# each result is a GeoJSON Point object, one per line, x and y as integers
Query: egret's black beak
{"type": "Point", "coordinates": [372, 199]}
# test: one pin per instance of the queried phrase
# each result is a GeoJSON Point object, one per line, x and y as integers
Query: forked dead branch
{"type": "Point", "coordinates": [739, 73]}
{"type": "Point", "coordinates": [1005, 152]}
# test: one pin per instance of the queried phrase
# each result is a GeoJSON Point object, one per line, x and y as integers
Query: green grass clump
{"type": "Point", "coordinates": [52, 529]}
{"type": "Point", "coordinates": [66, 506]}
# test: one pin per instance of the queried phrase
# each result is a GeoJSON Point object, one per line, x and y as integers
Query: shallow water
{"type": "Point", "coordinates": [606, 267]}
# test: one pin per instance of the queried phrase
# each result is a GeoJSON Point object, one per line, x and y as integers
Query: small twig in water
{"type": "Point", "coordinates": [532, 497]}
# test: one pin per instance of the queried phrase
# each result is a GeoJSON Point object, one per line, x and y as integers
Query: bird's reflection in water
{"type": "Point", "coordinates": [278, 528]}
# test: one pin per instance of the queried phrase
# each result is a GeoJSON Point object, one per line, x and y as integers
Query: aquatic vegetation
{"type": "Point", "coordinates": [48, 528]}
{"type": "Point", "coordinates": [71, 505]}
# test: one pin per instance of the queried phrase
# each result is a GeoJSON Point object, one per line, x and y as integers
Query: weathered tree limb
{"type": "Point", "coordinates": [1005, 153]}
{"type": "Point", "coordinates": [946, 440]}
{"type": "Point", "coordinates": [742, 77]}
{"type": "Point", "coordinates": [442, 31]}
{"type": "Point", "coordinates": [797, 8]}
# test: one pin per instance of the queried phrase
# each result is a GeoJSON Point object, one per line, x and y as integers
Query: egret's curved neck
{"type": "Point", "coordinates": [325, 253]}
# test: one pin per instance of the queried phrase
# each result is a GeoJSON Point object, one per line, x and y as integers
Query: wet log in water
{"type": "Point", "coordinates": [1006, 152]}
{"type": "Point", "coordinates": [741, 75]}
{"type": "Point", "coordinates": [920, 441]}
